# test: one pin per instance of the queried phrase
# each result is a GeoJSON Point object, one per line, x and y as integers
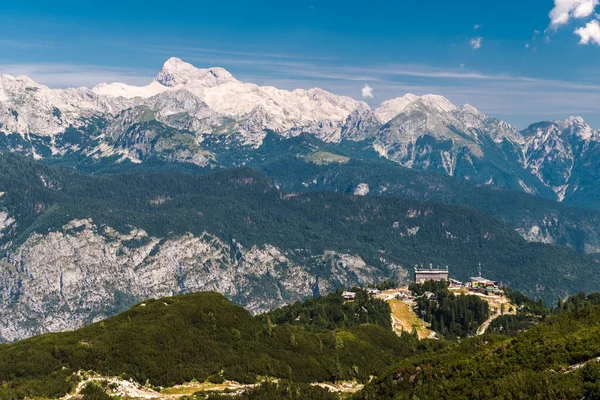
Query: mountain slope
{"type": "Point", "coordinates": [563, 155]}
{"type": "Point", "coordinates": [536, 219]}
{"type": "Point", "coordinates": [78, 248]}
{"type": "Point", "coordinates": [291, 163]}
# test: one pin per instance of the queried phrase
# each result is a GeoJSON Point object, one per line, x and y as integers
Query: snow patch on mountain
{"type": "Point", "coordinates": [362, 189]}
{"type": "Point", "coordinates": [128, 91]}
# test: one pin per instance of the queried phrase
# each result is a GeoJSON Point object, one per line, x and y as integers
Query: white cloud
{"type": "Point", "coordinates": [476, 43]}
{"type": "Point", "coordinates": [590, 33]}
{"type": "Point", "coordinates": [476, 27]}
{"type": "Point", "coordinates": [367, 92]}
{"type": "Point", "coordinates": [565, 10]}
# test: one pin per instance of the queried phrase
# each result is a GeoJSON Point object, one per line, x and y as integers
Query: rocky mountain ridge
{"type": "Point", "coordinates": [184, 106]}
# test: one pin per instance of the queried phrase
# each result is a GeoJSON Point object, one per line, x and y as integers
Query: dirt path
{"type": "Point", "coordinates": [132, 390]}
{"type": "Point", "coordinates": [496, 303]}
{"type": "Point", "coordinates": [487, 323]}
{"type": "Point", "coordinates": [341, 387]}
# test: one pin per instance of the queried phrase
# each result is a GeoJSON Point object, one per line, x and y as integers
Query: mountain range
{"type": "Point", "coordinates": [201, 182]}
{"type": "Point", "coordinates": [172, 118]}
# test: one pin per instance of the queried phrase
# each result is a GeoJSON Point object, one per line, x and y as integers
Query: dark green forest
{"type": "Point", "coordinates": [332, 312]}
{"type": "Point", "coordinates": [451, 316]}
{"type": "Point", "coordinates": [288, 162]}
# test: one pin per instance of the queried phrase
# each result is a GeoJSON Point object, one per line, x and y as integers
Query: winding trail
{"type": "Point", "coordinates": [495, 303]}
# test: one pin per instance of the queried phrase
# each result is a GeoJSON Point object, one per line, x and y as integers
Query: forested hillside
{"type": "Point", "coordinates": [536, 218]}
{"type": "Point", "coordinates": [557, 359]}
{"type": "Point", "coordinates": [305, 163]}
{"type": "Point", "coordinates": [200, 336]}
{"type": "Point", "coordinates": [332, 312]}
{"type": "Point", "coordinates": [243, 205]}
{"type": "Point", "coordinates": [451, 316]}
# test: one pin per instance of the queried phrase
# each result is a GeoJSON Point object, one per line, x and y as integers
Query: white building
{"type": "Point", "coordinates": [349, 295]}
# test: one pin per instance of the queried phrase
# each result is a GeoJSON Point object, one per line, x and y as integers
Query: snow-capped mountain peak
{"type": "Point", "coordinates": [577, 126]}
{"type": "Point", "coordinates": [439, 103]}
{"type": "Point", "coordinates": [176, 72]}
{"type": "Point", "coordinates": [389, 109]}
{"type": "Point", "coordinates": [226, 97]}
{"type": "Point", "coordinates": [571, 127]}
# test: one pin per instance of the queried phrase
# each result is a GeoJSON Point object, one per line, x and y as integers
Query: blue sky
{"type": "Point", "coordinates": [530, 65]}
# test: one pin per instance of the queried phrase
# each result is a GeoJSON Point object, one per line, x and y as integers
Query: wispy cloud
{"type": "Point", "coordinates": [207, 51]}
{"type": "Point", "coordinates": [24, 45]}
{"type": "Point", "coordinates": [476, 43]}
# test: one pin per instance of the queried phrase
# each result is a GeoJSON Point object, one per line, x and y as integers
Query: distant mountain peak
{"type": "Point", "coordinates": [389, 109]}
{"type": "Point", "coordinates": [573, 126]}
{"type": "Point", "coordinates": [177, 72]}
{"type": "Point", "coordinates": [437, 102]}
{"type": "Point", "coordinates": [470, 109]}
{"type": "Point", "coordinates": [577, 126]}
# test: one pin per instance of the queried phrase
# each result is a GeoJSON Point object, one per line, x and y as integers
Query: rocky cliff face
{"type": "Point", "coordinates": [83, 273]}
